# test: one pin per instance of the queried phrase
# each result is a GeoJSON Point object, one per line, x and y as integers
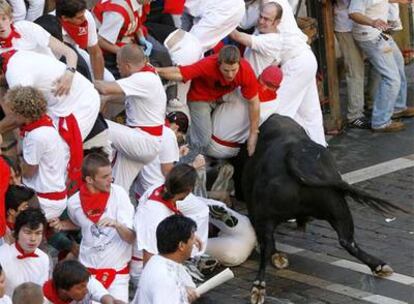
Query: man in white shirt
{"type": "Point", "coordinates": [4, 299]}
{"type": "Point", "coordinates": [105, 214]}
{"type": "Point", "coordinates": [23, 261]}
{"type": "Point", "coordinates": [139, 142]}
{"type": "Point", "coordinates": [45, 154]}
{"type": "Point", "coordinates": [72, 283]}
{"type": "Point", "coordinates": [278, 39]}
{"type": "Point", "coordinates": [164, 278]}
{"type": "Point", "coordinates": [390, 102]}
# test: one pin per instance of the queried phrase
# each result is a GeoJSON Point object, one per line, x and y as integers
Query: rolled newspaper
{"type": "Point", "coordinates": [215, 281]}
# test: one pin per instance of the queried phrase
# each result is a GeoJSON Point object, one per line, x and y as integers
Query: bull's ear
{"type": "Point", "coordinates": [312, 164]}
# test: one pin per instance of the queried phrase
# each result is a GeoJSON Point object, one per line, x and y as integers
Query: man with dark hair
{"type": "Point", "coordinates": [28, 293]}
{"type": "Point", "coordinates": [79, 29]}
{"type": "Point", "coordinates": [72, 283]}
{"type": "Point", "coordinates": [24, 261]}
{"type": "Point", "coordinates": [212, 78]}
{"type": "Point", "coordinates": [164, 279]}
{"type": "Point", "coordinates": [4, 299]}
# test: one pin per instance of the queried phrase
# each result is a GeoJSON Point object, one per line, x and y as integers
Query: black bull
{"type": "Point", "coordinates": [290, 176]}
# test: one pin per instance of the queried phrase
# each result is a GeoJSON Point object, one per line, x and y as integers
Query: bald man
{"type": "Point", "coordinates": [137, 143]}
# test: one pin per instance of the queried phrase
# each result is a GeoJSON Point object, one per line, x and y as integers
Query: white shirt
{"type": "Point", "coordinates": [151, 174]}
{"type": "Point", "coordinates": [32, 69]}
{"type": "Point", "coordinates": [95, 293]}
{"type": "Point", "coordinates": [45, 147]}
{"type": "Point", "coordinates": [92, 34]}
{"type": "Point", "coordinates": [33, 38]}
{"type": "Point", "coordinates": [251, 15]}
{"type": "Point", "coordinates": [341, 18]}
{"type": "Point", "coordinates": [145, 103]}
{"type": "Point", "coordinates": [193, 7]}
{"type": "Point", "coordinates": [374, 9]}
{"type": "Point", "coordinates": [19, 271]}
{"type": "Point", "coordinates": [163, 281]}
{"type": "Point", "coordinates": [5, 300]}
{"type": "Point", "coordinates": [103, 247]}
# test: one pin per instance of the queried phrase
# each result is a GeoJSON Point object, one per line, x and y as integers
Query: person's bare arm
{"type": "Point", "coordinates": [108, 88]}
{"type": "Point", "coordinates": [365, 20]}
{"type": "Point", "coordinates": [254, 118]}
{"type": "Point", "coordinates": [28, 171]}
{"type": "Point", "coordinates": [97, 61]}
{"type": "Point", "coordinates": [105, 45]}
{"type": "Point", "coordinates": [241, 38]}
{"type": "Point", "coordinates": [170, 73]}
{"type": "Point", "coordinates": [126, 234]}
{"type": "Point", "coordinates": [166, 168]}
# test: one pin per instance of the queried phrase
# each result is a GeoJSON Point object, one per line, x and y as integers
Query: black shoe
{"type": "Point", "coordinates": [360, 123]}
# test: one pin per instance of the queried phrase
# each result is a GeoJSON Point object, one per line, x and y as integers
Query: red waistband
{"type": "Point", "coordinates": [155, 131]}
{"type": "Point", "coordinates": [96, 271]}
{"type": "Point", "coordinates": [54, 196]}
{"type": "Point", "coordinates": [225, 143]}
{"type": "Point", "coordinates": [136, 259]}
{"type": "Point", "coordinates": [107, 275]}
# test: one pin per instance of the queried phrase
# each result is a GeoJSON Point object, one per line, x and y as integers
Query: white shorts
{"type": "Point", "coordinates": [52, 208]}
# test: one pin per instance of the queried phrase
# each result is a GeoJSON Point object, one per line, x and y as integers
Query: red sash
{"type": "Point", "coordinates": [4, 185]}
{"type": "Point", "coordinates": [24, 255]}
{"type": "Point", "coordinates": [156, 195]}
{"type": "Point", "coordinates": [225, 143]}
{"type": "Point", "coordinates": [6, 58]}
{"type": "Point", "coordinates": [54, 196]}
{"type": "Point", "coordinates": [148, 68]}
{"type": "Point", "coordinates": [174, 7]}
{"type": "Point", "coordinates": [50, 293]}
{"type": "Point", "coordinates": [266, 94]}
{"type": "Point", "coordinates": [93, 204]}
{"type": "Point", "coordinates": [107, 275]}
{"type": "Point", "coordinates": [79, 33]}
{"type": "Point", "coordinates": [155, 131]}
{"type": "Point", "coordinates": [44, 121]}
{"type": "Point", "coordinates": [72, 136]}
{"type": "Point", "coordinates": [7, 42]}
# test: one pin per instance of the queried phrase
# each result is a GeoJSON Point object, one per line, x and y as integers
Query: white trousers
{"type": "Point", "coordinates": [298, 95]}
{"type": "Point", "coordinates": [35, 10]}
{"type": "Point", "coordinates": [52, 208]}
{"type": "Point", "coordinates": [134, 149]}
{"type": "Point", "coordinates": [119, 288]}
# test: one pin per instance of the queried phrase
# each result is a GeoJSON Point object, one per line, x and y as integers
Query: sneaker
{"type": "Point", "coordinates": [206, 264]}
{"type": "Point", "coordinates": [220, 213]}
{"type": "Point", "coordinates": [360, 123]}
{"type": "Point", "coordinates": [407, 113]}
{"type": "Point", "coordinates": [392, 126]}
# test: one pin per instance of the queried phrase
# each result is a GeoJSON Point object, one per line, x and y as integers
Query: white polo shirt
{"type": "Point", "coordinates": [103, 247]}
{"type": "Point", "coordinates": [146, 101]}
{"type": "Point", "coordinates": [28, 68]}
{"type": "Point", "coordinates": [45, 148]}
{"type": "Point", "coordinates": [18, 271]}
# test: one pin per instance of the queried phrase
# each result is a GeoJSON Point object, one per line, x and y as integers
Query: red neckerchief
{"type": "Point", "coordinates": [156, 195]}
{"type": "Point", "coordinates": [24, 255]}
{"type": "Point", "coordinates": [44, 121]}
{"type": "Point", "coordinates": [148, 68]}
{"type": "Point", "coordinates": [79, 33]}
{"type": "Point", "coordinates": [174, 7]}
{"type": "Point", "coordinates": [72, 136]}
{"type": "Point", "coordinates": [93, 204]}
{"type": "Point", "coordinates": [4, 185]}
{"type": "Point", "coordinates": [7, 42]}
{"type": "Point", "coordinates": [266, 94]}
{"type": "Point", "coordinates": [6, 57]}
{"type": "Point", "coordinates": [51, 294]}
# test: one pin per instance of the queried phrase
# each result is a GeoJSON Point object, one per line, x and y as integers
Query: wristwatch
{"type": "Point", "coordinates": [70, 69]}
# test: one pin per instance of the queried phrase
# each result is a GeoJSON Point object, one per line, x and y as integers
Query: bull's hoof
{"type": "Point", "coordinates": [258, 292]}
{"type": "Point", "coordinates": [383, 271]}
{"type": "Point", "coordinates": [280, 260]}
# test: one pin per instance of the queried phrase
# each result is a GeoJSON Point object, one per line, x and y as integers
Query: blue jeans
{"type": "Point", "coordinates": [391, 95]}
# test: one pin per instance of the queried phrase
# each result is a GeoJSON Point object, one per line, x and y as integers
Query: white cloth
{"type": "Point", "coordinates": [134, 149]}
{"type": "Point", "coordinates": [111, 26]}
{"type": "Point", "coordinates": [34, 11]}
{"type": "Point", "coordinates": [45, 148]}
{"type": "Point", "coordinates": [33, 38]}
{"type": "Point", "coordinates": [163, 281]}
{"type": "Point", "coordinates": [251, 15]}
{"type": "Point", "coordinates": [151, 173]}
{"type": "Point", "coordinates": [5, 300]}
{"type": "Point", "coordinates": [145, 102]}
{"type": "Point", "coordinates": [394, 16]}
{"type": "Point", "coordinates": [32, 69]}
{"type": "Point", "coordinates": [374, 9]}
{"type": "Point", "coordinates": [92, 34]}
{"type": "Point", "coordinates": [150, 213]}
{"type": "Point", "coordinates": [215, 19]}
{"type": "Point", "coordinates": [342, 21]}
{"type": "Point", "coordinates": [18, 271]}
{"type": "Point", "coordinates": [103, 247]}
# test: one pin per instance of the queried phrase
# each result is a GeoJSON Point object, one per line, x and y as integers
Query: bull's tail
{"type": "Point", "coordinates": [377, 204]}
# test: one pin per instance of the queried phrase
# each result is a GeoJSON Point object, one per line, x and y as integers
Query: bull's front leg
{"type": "Point", "coordinates": [264, 232]}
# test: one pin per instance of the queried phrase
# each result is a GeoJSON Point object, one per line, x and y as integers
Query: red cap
{"type": "Point", "coordinates": [272, 75]}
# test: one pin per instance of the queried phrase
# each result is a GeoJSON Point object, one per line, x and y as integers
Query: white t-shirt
{"type": "Point", "coordinates": [95, 293]}
{"type": "Point", "coordinates": [163, 281]}
{"type": "Point", "coordinates": [33, 38]}
{"type": "Point", "coordinates": [92, 34]}
{"type": "Point", "coordinates": [32, 69]}
{"type": "Point", "coordinates": [151, 174]}
{"type": "Point", "coordinates": [45, 147]}
{"type": "Point", "coordinates": [193, 7]}
{"type": "Point", "coordinates": [374, 9]}
{"type": "Point", "coordinates": [146, 101]}
{"type": "Point", "coordinates": [341, 18]}
{"type": "Point", "coordinates": [103, 247]}
{"type": "Point", "coordinates": [18, 271]}
{"type": "Point", "coordinates": [5, 300]}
